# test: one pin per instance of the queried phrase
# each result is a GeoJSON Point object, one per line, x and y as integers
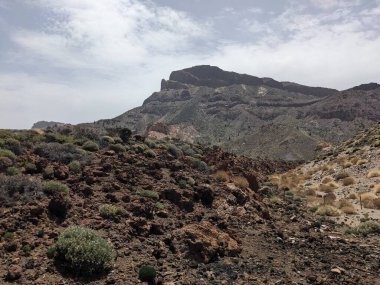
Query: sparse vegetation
{"type": "Point", "coordinates": [221, 176]}
{"type": "Point", "coordinates": [240, 181]}
{"type": "Point", "coordinates": [365, 228]}
{"type": "Point", "coordinates": [90, 146]}
{"type": "Point", "coordinates": [327, 211]}
{"type": "Point", "coordinates": [348, 181]}
{"type": "Point", "coordinates": [118, 148]}
{"type": "Point", "coordinates": [54, 186]}
{"type": "Point", "coordinates": [75, 166]}
{"type": "Point", "coordinates": [148, 194]}
{"type": "Point", "coordinates": [7, 153]}
{"type": "Point", "coordinates": [109, 211]}
{"type": "Point", "coordinates": [373, 173]}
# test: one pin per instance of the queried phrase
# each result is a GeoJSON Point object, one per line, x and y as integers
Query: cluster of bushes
{"type": "Point", "coordinates": [19, 187]}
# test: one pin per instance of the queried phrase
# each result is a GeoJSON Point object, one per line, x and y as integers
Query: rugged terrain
{"type": "Point", "coordinates": [346, 178]}
{"type": "Point", "coordinates": [258, 117]}
{"type": "Point", "coordinates": [197, 215]}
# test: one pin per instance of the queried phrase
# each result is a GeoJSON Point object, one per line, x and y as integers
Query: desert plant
{"type": "Point", "coordinates": [199, 164]}
{"type": "Point", "coordinates": [352, 196]}
{"type": "Point", "coordinates": [109, 211]}
{"type": "Point", "coordinates": [147, 273]}
{"type": "Point", "coordinates": [75, 166]}
{"type": "Point", "coordinates": [90, 146]}
{"type": "Point", "coordinates": [373, 173]}
{"type": "Point", "coordinates": [174, 151]}
{"type": "Point", "coordinates": [240, 181]}
{"type": "Point", "coordinates": [348, 181]}
{"type": "Point", "coordinates": [125, 134]}
{"type": "Point", "coordinates": [148, 194]}
{"type": "Point", "coordinates": [376, 188]}
{"type": "Point", "coordinates": [367, 196]}
{"type": "Point", "coordinates": [328, 188]}
{"type": "Point", "coordinates": [83, 252]}
{"type": "Point", "coordinates": [361, 161]}
{"type": "Point", "coordinates": [12, 171]}
{"type": "Point", "coordinates": [30, 167]}
{"type": "Point", "coordinates": [63, 153]}
{"type": "Point", "coordinates": [118, 148]}
{"type": "Point", "coordinates": [150, 153]}
{"type": "Point", "coordinates": [365, 228]}
{"type": "Point", "coordinates": [221, 176]}
{"type": "Point", "coordinates": [107, 140]}
{"type": "Point", "coordinates": [20, 186]}
{"type": "Point", "coordinates": [12, 145]}
{"type": "Point", "coordinates": [48, 172]}
{"type": "Point", "coordinates": [327, 179]}
{"type": "Point", "coordinates": [7, 153]}
{"type": "Point", "coordinates": [341, 175]}
{"type": "Point", "coordinates": [54, 186]}
{"type": "Point", "coordinates": [327, 211]}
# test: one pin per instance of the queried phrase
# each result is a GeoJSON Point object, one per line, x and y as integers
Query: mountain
{"type": "Point", "coordinates": [77, 207]}
{"type": "Point", "coordinates": [46, 125]}
{"type": "Point", "coordinates": [250, 115]}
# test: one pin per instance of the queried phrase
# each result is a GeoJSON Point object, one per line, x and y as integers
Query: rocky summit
{"type": "Point", "coordinates": [85, 206]}
{"type": "Point", "coordinates": [257, 117]}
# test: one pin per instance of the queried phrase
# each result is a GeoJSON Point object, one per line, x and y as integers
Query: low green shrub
{"type": "Point", "coordinates": [118, 148]}
{"type": "Point", "coordinates": [30, 167]}
{"type": "Point", "coordinates": [90, 146]}
{"type": "Point", "coordinates": [366, 228]}
{"type": "Point", "coordinates": [147, 273]}
{"type": "Point", "coordinates": [75, 166]}
{"type": "Point", "coordinates": [12, 171]}
{"type": "Point", "coordinates": [148, 194]}
{"type": "Point", "coordinates": [174, 151]}
{"type": "Point", "coordinates": [150, 153]}
{"type": "Point", "coordinates": [82, 251]}
{"type": "Point", "coordinates": [54, 186]}
{"type": "Point", "coordinates": [48, 172]}
{"type": "Point", "coordinates": [12, 145]}
{"type": "Point", "coordinates": [109, 211]}
{"type": "Point", "coordinates": [20, 187]}
{"type": "Point", "coordinates": [7, 153]}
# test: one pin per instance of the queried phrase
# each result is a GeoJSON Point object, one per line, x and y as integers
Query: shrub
{"type": "Point", "coordinates": [361, 161]}
{"type": "Point", "coordinates": [63, 153]}
{"type": "Point", "coordinates": [150, 153]}
{"type": "Point", "coordinates": [240, 181]}
{"type": "Point", "coordinates": [376, 188]}
{"type": "Point", "coordinates": [341, 175]}
{"type": "Point", "coordinates": [150, 143]}
{"type": "Point", "coordinates": [12, 145]}
{"type": "Point", "coordinates": [90, 146]}
{"type": "Point", "coordinates": [5, 162]}
{"type": "Point", "coordinates": [276, 200]}
{"type": "Point", "coordinates": [372, 173]}
{"type": "Point", "coordinates": [83, 252]}
{"type": "Point", "coordinates": [75, 166]}
{"type": "Point", "coordinates": [348, 181]}
{"type": "Point", "coordinates": [346, 207]}
{"type": "Point", "coordinates": [147, 273]}
{"type": "Point", "coordinates": [366, 228]}
{"type": "Point", "coordinates": [109, 211]}
{"type": "Point", "coordinates": [327, 211]}
{"type": "Point", "coordinates": [148, 194]}
{"type": "Point", "coordinates": [199, 164]}
{"type": "Point", "coordinates": [327, 179]}
{"type": "Point", "coordinates": [20, 185]}
{"type": "Point", "coordinates": [328, 188]}
{"type": "Point", "coordinates": [159, 206]}
{"type": "Point", "coordinates": [30, 167]}
{"type": "Point", "coordinates": [367, 196]}
{"type": "Point", "coordinates": [174, 151]}
{"type": "Point", "coordinates": [12, 171]}
{"type": "Point", "coordinates": [106, 140]}
{"type": "Point", "coordinates": [51, 137]}
{"type": "Point", "coordinates": [140, 148]}
{"type": "Point", "coordinates": [118, 148]}
{"type": "Point", "coordinates": [221, 176]}
{"type": "Point", "coordinates": [48, 172]}
{"type": "Point", "coordinates": [125, 134]}
{"type": "Point", "coordinates": [7, 153]}
{"type": "Point", "coordinates": [54, 186]}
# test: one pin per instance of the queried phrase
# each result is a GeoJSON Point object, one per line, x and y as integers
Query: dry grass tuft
{"type": "Point", "coordinates": [240, 181]}
{"type": "Point", "coordinates": [328, 188]}
{"type": "Point", "coordinates": [368, 196]}
{"type": "Point", "coordinates": [328, 211]}
{"type": "Point", "coordinates": [347, 164]}
{"type": "Point", "coordinates": [376, 203]}
{"type": "Point", "coordinates": [352, 196]}
{"type": "Point", "coordinates": [221, 176]}
{"type": "Point", "coordinates": [354, 160]}
{"type": "Point", "coordinates": [373, 173]}
{"type": "Point", "coordinates": [348, 181]}
{"type": "Point", "coordinates": [376, 188]}
{"type": "Point", "coordinates": [341, 175]}
{"type": "Point", "coordinates": [327, 179]}
{"type": "Point", "coordinates": [362, 161]}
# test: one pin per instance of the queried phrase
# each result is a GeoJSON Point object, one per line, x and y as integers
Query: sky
{"type": "Point", "coordinates": [77, 61]}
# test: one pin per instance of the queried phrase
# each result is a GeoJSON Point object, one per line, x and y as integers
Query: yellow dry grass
{"type": "Point", "coordinates": [367, 196]}
{"type": "Point", "coordinates": [362, 161]}
{"type": "Point", "coordinates": [222, 176]}
{"type": "Point", "coordinates": [373, 173]}
{"type": "Point", "coordinates": [376, 188]}
{"type": "Point", "coordinates": [329, 187]}
{"type": "Point", "coordinates": [327, 179]}
{"type": "Point", "coordinates": [348, 181]}
{"type": "Point", "coordinates": [240, 181]}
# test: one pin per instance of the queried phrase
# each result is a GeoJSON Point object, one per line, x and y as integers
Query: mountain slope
{"type": "Point", "coordinates": [250, 115]}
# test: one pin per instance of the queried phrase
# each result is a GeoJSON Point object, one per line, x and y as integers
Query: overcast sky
{"type": "Point", "coordinates": [82, 60]}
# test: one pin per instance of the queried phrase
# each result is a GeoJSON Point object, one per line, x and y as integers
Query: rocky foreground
{"type": "Point", "coordinates": [196, 215]}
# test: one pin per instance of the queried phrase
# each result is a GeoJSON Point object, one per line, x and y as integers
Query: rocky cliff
{"type": "Point", "coordinates": [251, 115]}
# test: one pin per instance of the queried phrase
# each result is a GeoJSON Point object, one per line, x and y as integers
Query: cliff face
{"type": "Point", "coordinates": [250, 115]}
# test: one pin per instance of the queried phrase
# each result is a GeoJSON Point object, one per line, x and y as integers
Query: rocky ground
{"type": "Point", "coordinates": [197, 215]}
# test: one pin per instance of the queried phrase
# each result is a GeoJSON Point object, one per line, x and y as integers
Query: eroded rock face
{"type": "Point", "coordinates": [257, 117]}
{"type": "Point", "coordinates": [203, 242]}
